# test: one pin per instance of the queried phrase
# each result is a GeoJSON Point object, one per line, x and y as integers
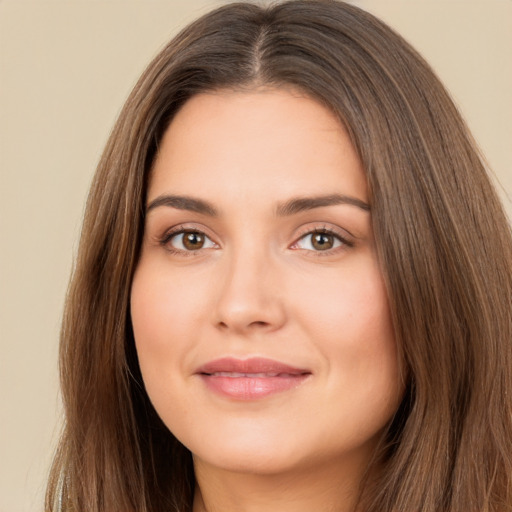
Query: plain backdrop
{"type": "Point", "coordinates": [66, 66]}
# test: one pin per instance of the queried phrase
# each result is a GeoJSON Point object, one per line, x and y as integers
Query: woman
{"type": "Point", "coordinates": [293, 284]}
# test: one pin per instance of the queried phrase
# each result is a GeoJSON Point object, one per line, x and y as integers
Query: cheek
{"type": "Point", "coordinates": [164, 304]}
{"type": "Point", "coordinates": [166, 318]}
{"type": "Point", "coordinates": [348, 306]}
{"type": "Point", "coordinates": [348, 317]}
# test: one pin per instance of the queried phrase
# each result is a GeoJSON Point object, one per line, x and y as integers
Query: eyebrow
{"type": "Point", "coordinates": [291, 207]}
{"type": "Point", "coordinates": [183, 203]}
{"type": "Point", "coordinates": [301, 204]}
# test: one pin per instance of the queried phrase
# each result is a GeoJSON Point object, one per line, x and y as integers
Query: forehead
{"type": "Point", "coordinates": [268, 142]}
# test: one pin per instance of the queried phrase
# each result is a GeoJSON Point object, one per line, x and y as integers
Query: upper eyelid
{"type": "Point", "coordinates": [182, 232]}
{"type": "Point", "coordinates": [170, 233]}
{"type": "Point", "coordinates": [183, 228]}
{"type": "Point", "coordinates": [343, 234]}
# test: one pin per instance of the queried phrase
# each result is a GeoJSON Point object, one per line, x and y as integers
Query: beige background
{"type": "Point", "coordinates": [65, 69]}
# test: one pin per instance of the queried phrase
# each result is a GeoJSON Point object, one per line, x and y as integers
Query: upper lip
{"type": "Point", "coordinates": [253, 365]}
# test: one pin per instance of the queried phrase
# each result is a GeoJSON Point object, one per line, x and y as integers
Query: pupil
{"type": "Point", "coordinates": [322, 241]}
{"type": "Point", "coordinates": [193, 241]}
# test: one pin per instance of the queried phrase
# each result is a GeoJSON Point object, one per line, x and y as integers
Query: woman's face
{"type": "Point", "coordinates": [260, 316]}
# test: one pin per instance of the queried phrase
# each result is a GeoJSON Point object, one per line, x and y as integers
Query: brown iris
{"type": "Point", "coordinates": [322, 241]}
{"type": "Point", "coordinates": [193, 240]}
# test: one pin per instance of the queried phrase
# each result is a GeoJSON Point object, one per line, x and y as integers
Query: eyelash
{"type": "Point", "coordinates": [344, 242]}
{"type": "Point", "coordinates": [180, 230]}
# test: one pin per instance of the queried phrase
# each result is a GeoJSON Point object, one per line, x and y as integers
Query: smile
{"type": "Point", "coordinates": [250, 379]}
{"type": "Point", "coordinates": [236, 375]}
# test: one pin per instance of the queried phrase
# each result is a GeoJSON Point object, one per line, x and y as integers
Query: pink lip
{"type": "Point", "coordinates": [250, 379]}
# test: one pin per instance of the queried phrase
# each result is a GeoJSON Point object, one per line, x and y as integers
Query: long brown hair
{"type": "Point", "coordinates": [442, 238]}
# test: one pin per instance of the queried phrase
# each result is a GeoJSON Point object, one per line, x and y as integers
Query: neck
{"type": "Point", "coordinates": [322, 488]}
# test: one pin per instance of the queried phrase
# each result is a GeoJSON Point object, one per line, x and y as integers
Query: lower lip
{"type": "Point", "coordinates": [252, 388]}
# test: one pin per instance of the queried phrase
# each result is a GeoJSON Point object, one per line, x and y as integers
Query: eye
{"type": "Point", "coordinates": [188, 240]}
{"type": "Point", "coordinates": [320, 240]}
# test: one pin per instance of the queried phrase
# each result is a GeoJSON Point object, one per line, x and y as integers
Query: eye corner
{"type": "Point", "coordinates": [322, 241]}
{"type": "Point", "coordinates": [187, 241]}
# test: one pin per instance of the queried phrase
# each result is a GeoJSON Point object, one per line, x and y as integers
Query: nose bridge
{"type": "Point", "coordinates": [249, 294]}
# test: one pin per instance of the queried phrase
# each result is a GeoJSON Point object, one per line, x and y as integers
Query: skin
{"type": "Point", "coordinates": [258, 286]}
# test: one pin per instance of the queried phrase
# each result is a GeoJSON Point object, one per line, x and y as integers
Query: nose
{"type": "Point", "coordinates": [250, 298]}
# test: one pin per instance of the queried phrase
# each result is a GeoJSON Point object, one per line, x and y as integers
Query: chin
{"type": "Point", "coordinates": [246, 452]}
{"type": "Point", "coordinates": [249, 461]}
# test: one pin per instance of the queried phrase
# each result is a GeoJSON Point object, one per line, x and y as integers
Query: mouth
{"type": "Point", "coordinates": [250, 379]}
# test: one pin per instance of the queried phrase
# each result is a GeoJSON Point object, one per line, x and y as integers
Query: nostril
{"type": "Point", "coordinates": [258, 323]}
{"type": "Point", "coordinates": [255, 324]}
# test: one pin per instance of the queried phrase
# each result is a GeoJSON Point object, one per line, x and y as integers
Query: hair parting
{"type": "Point", "coordinates": [443, 242]}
